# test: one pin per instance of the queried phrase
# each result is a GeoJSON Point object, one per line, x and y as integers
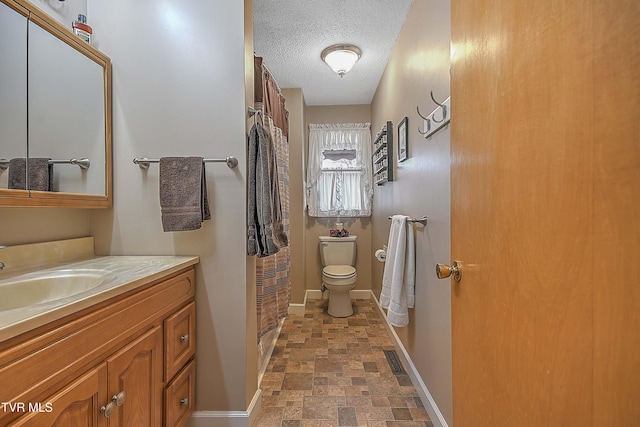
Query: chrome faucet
{"type": "Point", "coordinates": [1, 265]}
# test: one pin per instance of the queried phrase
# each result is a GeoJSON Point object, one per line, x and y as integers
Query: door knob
{"type": "Point", "coordinates": [443, 271]}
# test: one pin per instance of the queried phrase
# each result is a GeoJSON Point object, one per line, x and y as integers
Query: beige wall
{"type": "Point", "coordinates": [295, 105]}
{"type": "Point", "coordinates": [64, 12]}
{"type": "Point", "coordinates": [419, 64]}
{"type": "Point", "coordinates": [172, 97]}
{"type": "Point", "coordinates": [320, 226]}
{"type": "Point", "coordinates": [22, 226]}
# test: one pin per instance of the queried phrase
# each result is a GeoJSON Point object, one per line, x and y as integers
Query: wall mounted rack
{"type": "Point", "coordinates": [382, 157]}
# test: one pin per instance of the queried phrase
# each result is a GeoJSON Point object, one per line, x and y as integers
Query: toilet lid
{"type": "Point", "coordinates": [338, 271]}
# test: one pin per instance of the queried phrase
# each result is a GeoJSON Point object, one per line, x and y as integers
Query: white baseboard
{"type": "Point", "coordinates": [298, 309]}
{"type": "Point", "coordinates": [425, 396]}
{"type": "Point", "coordinates": [228, 418]}
{"type": "Point", "coordinates": [354, 294]}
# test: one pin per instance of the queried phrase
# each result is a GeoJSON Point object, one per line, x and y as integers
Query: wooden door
{"type": "Point", "coordinates": [617, 214]}
{"type": "Point", "coordinates": [545, 200]}
{"type": "Point", "coordinates": [137, 370]}
{"type": "Point", "coordinates": [77, 405]}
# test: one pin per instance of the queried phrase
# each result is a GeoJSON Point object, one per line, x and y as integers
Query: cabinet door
{"type": "Point", "coordinates": [77, 405]}
{"type": "Point", "coordinates": [136, 370]}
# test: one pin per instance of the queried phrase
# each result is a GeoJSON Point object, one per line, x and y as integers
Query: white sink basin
{"type": "Point", "coordinates": [30, 298]}
{"type": "Point", "coordinates": [42, 287]}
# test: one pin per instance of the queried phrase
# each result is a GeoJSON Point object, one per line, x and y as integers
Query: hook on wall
{"type": "Point", "coordinates": [427, 122]}
{"type": "Point", "coordinates": [442, 106]}
{"type": "Point", "coordinates": [439, 117]}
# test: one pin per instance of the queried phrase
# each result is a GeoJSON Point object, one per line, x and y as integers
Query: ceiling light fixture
{"type": "Point", "coordinates": [341, 58]}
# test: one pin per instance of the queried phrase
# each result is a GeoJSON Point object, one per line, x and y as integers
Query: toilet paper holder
{"type": "Point", "coordinates": [381, 254]}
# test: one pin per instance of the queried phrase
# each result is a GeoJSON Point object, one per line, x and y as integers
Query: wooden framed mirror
{"type": "Point", "coordinates": [55, 114]}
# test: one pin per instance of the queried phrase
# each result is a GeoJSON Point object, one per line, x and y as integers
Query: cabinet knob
{"type": "Point", "coordinates": [184, 401]}
{"type": "Point", "coordinates": [119, 398]}
{"type": "Point", "coordinates": [108, 409]}
{"type": "Point", "coordinates": [184, 338]}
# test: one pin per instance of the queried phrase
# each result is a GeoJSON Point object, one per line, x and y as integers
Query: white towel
{"type": "Point", "coordinates": [399, 279]}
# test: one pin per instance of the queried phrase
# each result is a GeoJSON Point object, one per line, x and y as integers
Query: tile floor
{"type": "Point", "coordinates": [331, 372]}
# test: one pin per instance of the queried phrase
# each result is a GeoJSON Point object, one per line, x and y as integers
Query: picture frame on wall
{"type": "Point", "coordinates": [403, 140]}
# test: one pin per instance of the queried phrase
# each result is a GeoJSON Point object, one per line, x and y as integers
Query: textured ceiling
{"type": "Point", "coordinates": [291, 34]}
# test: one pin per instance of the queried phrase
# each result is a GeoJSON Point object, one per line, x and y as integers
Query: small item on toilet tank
{"type": "Point", "coordinates": [338, 232]}
{"type": "Point", "coordinates": [339, 226]}
{"type": "Point", "coordinates": [381, 255]}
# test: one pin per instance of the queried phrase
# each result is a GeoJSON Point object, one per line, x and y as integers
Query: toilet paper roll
{"type": "Point", "coordinates": [381, 255]}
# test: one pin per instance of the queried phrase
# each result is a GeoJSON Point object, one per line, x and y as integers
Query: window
{"type": "Point", "coordinates": [339, 170]}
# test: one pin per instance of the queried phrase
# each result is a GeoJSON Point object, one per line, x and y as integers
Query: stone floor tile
{"type": "Point", "coordinates": [269, 417]}
{"type": "Point", "coordinates": [297, 381]}
{"type": "Point", "coordinates": [332, 372]}
{"type": "Point", "coordinates": [406, 424]}
{"type": "Point", "coordinates": [401, 414]}
{"type": "Point", "coordinates": [347, 417]}
{"type": "Point", "coordinates": [292, 413]}
{"type": "Point", "coordinates": [419, 414]}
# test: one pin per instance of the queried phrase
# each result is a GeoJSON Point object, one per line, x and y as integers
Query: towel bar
{"type": "Point", "coordinates": [82, 163]}
{"type": "Point", "coordinates": [423, 220]}
{"type": "Point", "coordinates": [143, 162]}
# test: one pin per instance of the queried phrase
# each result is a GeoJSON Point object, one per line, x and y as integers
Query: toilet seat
{"type": "Point", "coordinates": [339, 272]}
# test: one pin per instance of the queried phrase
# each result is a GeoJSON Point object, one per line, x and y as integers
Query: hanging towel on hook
{"type": "Point", "coordinates": [399, 278]}
{"type": "Point", "coordinates": [264, 214]}
{"type": "Point", "coordinates": [183, 193]}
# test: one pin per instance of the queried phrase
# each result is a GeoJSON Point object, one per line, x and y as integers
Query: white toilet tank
{"type": "Point", "coordinates": [338, 250]}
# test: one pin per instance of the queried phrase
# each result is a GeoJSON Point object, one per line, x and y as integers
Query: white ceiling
{"type": "Point", "coordinates": [291, 34]}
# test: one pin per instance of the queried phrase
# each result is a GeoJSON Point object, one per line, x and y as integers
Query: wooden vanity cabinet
{"type": "Point", "coordinates": [138, 370]}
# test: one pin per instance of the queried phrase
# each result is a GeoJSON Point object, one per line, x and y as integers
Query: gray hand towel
{"type": "Point", "coordinates": [40, 174]}
{"type": "Point", "coordinates": [183, 193]}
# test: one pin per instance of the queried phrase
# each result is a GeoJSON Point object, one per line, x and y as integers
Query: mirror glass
{"type": "Point", "coordinates": [66, 113]}
{"type": "Point", "coordinates": [13, 92]}
{"type": "Point", "coordinates": [55, 113]}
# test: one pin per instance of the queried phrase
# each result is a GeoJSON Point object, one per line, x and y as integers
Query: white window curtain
{"type": "Point", "coordinates": [341, 188]}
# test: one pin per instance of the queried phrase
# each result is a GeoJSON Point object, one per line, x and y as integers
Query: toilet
{"type": "Point", "coordinates": [338, 256]}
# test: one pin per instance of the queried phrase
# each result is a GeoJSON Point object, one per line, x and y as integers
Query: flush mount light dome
{"type": "Point", "coordinates": [341, 58]}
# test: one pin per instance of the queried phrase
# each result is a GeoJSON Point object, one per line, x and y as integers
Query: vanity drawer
{"type": "Point", "coordinates": [179, 339]}
{"type": "Point", "coordinates": [179, 397]}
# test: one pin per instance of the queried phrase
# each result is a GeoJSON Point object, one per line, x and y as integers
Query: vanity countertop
{"type": "Point", "coordinates": [116, 275]}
